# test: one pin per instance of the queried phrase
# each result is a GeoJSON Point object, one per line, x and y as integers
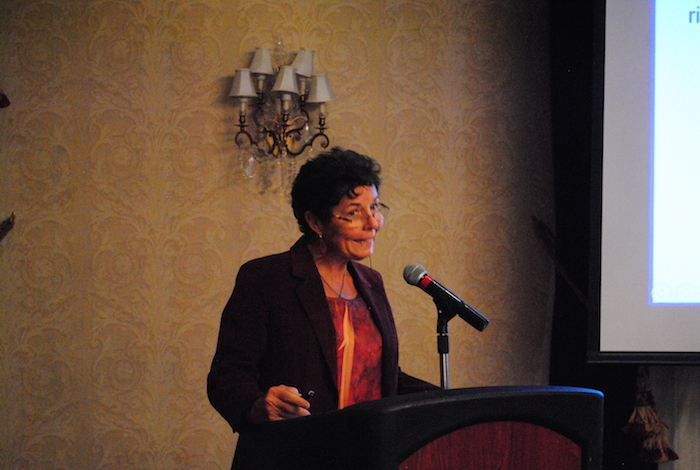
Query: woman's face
{"type": "Point", "coordinates": [351, 231]}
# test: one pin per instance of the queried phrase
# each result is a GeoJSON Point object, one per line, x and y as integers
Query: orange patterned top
{"type": "Point", "coordinates": [359, 351]}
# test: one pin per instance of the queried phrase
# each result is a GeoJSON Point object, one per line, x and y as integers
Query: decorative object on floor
{"type": "Point", "coordinates": [646, 424]}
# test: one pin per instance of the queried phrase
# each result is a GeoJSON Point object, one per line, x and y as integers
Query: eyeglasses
{"type": "Point", "coordinates": [377, 211]}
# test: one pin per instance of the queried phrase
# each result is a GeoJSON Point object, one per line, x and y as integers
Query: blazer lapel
{"type": "Point", "coordinates": [313, 300]}
{"type": "Point", "coordinates": [384, 321]}
{"type": "Point", "coordinates": [366, 290]}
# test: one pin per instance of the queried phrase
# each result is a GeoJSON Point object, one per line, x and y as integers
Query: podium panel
{"type": "Point", "coordinates": [487, 428]}
{"type": "Point", "coordinates": [502, 445]}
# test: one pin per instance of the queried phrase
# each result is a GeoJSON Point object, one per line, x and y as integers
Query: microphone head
{"type": "Point", "coordinates": [413, 273]}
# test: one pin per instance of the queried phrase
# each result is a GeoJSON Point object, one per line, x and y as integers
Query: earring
{"type": "Point", "coordinates": [322, 245]}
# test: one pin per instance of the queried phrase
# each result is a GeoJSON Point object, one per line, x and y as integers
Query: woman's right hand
{"type": "Point", "coordinates": [280, 402]}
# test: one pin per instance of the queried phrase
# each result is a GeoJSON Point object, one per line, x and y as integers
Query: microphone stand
{"type": "Point", "coordinates": [443, 342]}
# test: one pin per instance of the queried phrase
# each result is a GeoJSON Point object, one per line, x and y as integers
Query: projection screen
{"type": "Point", "coordinates": [646, 183]}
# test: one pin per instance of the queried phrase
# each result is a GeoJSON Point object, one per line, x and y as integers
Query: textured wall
{"type": "Point", "coordinates": [132, 216]}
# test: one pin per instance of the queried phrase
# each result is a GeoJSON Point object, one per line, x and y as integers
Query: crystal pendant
{"type": "Point", "coordinates": [251, 163]}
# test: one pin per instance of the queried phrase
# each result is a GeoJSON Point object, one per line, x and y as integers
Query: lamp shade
{"type": "Point", "coordinates": [262, 62]}
{"type": "Point", "coordinates": [320, 91]}
{"type": "Point", "coordinates": [304, 62]}
{"type": "Point", "coordinates": [286, 81]}
{"type": "Point", "coordinates": [242, 85]}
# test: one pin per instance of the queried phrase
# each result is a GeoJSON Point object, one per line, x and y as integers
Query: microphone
{"type": "Point", "coordinates": [416, 275]}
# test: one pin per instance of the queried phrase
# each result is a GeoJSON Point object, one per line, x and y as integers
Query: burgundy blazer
{"type": "Point", "coordinates": [277, 329]}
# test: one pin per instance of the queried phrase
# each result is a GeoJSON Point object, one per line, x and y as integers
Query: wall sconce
{"type": "Point", "coordinates": [274, 123]}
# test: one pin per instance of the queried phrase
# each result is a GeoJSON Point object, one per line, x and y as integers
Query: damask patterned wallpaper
{"type": "Point", "coordinates": [132, 216]}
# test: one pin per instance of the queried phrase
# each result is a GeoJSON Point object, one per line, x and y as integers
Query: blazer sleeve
{"type": "Point", "coordinates": [410, 384]}
{"type": "Point", "coordinates": [232, 383]}
{"type": "Point", "coordinates": [275, 330]}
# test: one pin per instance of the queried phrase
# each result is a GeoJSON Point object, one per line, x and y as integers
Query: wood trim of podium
{"type": "Point", "coordinates": [503, 445]}
{"type": "Point", "coordinates": [503, 428]}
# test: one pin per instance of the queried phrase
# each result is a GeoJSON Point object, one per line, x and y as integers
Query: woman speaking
{"type": "Point", "coordinates": [312, 321]}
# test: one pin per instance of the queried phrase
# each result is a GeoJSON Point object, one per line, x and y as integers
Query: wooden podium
{"type": "Point", "coordinates": [505, 428]}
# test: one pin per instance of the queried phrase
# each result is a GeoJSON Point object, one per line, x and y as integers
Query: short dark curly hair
{"type": "Point", "coordinates": [324, 180]}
